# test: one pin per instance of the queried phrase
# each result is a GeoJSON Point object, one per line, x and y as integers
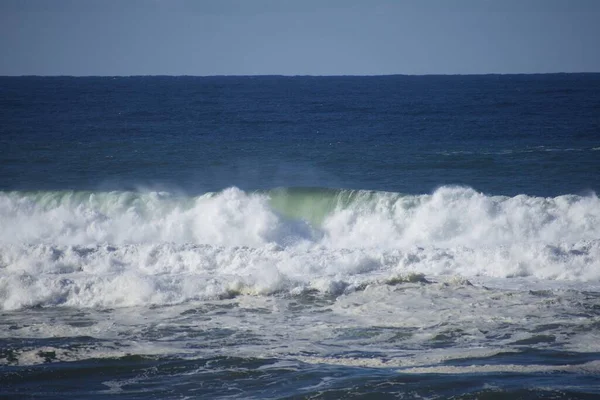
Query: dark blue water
{"type": "Point", "coordinates": [534, 134]}
{"type": "Point", "coordinates": [300, 237]}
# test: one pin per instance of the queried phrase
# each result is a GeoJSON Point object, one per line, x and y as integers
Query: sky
{"type": "Point", "coordinates": [298, 37]}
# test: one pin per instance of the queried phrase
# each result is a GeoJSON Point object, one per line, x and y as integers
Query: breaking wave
{"type": "Point", "coordinates": [110, 249]}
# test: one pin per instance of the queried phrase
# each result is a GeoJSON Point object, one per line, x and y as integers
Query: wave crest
{"type": "Point", "coordinates": [87, 249]}
{"type": "Point", "coordinates": [451, 216]}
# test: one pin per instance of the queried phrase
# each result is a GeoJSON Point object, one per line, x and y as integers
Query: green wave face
{"type": "Point", "coordinates": [315, 204]}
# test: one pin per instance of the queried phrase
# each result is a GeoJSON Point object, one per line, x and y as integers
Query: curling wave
{"type": "Point", "coordinates": [86, 249]}
{"type": "Point", "coordinates": [451, 216]}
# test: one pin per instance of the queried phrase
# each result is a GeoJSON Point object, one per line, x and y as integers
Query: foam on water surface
{"type": "Point", "coordinates": [456, 282]}
{"type": "Point", "coordinates": [83, 249]}
{"type": "Point", "coordinates": [282, 285]}
{"type": "Point", "coordinates": [451, 216]}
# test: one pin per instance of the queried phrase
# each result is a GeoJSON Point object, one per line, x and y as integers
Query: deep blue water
{"type": "Point", "coordinates": [501, 134]}
{"type": "Point", "coordinates": [300, 237]}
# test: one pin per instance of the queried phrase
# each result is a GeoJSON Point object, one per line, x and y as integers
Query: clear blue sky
{"type": "Point", "coordinates": [300, 37]}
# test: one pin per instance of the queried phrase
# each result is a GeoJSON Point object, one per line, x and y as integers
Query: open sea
{"type": "Point", "coordinates": [276, 237]}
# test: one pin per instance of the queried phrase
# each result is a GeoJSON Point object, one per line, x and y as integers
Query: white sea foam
{"type": "Point", "coordinates": [589, 368]}
{"type": "Point", "coordinates": [452, 216]}
{"type": "Point", "coordinates": [231, 218]}
{"type": "Point", "coordinates": [125, 249]}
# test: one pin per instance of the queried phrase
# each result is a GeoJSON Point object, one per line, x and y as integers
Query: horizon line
{"type": "Point", "coordinates": [295, 75]}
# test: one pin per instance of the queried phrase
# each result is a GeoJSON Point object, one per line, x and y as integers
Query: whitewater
{"type": "Point", "coordinates": [90, 249]}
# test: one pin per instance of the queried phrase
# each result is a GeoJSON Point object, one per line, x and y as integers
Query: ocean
{"type": "Point", "coordinates": [278, 237]}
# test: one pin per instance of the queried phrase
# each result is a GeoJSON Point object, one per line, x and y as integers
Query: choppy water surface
{"type": "Point", "coordinates": [195, 238]}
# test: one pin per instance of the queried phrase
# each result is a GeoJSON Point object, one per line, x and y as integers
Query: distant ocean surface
{"type": "Point", "coordinates": [300, 237]}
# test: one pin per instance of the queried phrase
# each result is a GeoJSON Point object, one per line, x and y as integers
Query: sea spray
{"type": "Point", "coordinates": [123, 249]}
{"type": "Point", "coordinates": [450, 217]}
